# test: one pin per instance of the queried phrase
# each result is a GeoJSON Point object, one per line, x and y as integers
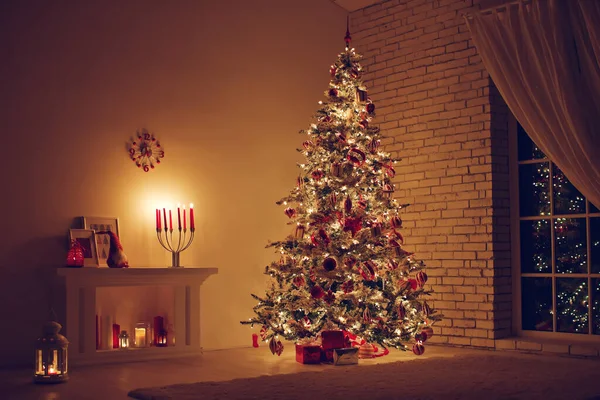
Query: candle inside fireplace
{"type": "Point", "coordinates": [51, 370]}
{"type": "Point", "coordinates": [140, 337]}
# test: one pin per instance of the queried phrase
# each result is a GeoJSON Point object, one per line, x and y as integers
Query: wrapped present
{"type": "Point", "coordinates": [308, 353]}
{"type": "Point", "coordinates": [332, 340]}
{"type": "Point", "coordinates": [327, 356]}
{"type": "Point", "coordinates": [345, 356]}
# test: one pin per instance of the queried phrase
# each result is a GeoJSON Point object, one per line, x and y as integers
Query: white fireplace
{"type": "Point", "coordinates": [96, 297]}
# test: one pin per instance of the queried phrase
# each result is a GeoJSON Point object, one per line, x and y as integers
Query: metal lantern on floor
{"type": "Point", "coordinates": [51, 355]}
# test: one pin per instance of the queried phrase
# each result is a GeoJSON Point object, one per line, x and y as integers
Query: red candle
{"type": "Point", "coordinates": [184, 220]}
{"type": "Point", "coordinates": [116, 329]}
{"type": "Point", "coordinates": [178, 217]}
{"type": "Point", "coordinates": [157, 217]}
{"type": "Point", "coordinates": [158, 222]}
{"type": "Point", "coordinates": [170, 221]}
{"type": "Point", "coordinates": [165, 218]}
{"type": "Point", "coordinates": [192, 224]}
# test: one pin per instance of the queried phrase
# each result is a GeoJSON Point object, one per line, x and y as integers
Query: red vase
{"type": "Point", "coordinates": [75, 255]}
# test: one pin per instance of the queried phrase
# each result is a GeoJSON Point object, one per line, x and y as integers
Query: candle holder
{"type": "Point", "coordinates": [168, 243]}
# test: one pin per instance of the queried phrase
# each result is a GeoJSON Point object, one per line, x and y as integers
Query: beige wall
{"type": "Point", "coordinates": [224, 84]}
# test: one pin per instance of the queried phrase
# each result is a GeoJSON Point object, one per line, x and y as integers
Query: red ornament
{"type": "Point", "coordinates": [75, 256]}
{"type": "Point", "coordinates": [333, 92]}
{"type": "Point", "coordinates": [396, 222]}
{"type": "Point", "coordinates": [354, 73]}
{"type": "Point", "coordinates": [413, 284]}
{"type": "Point", "coordinates": [308, 144]}
{"type": "Point", "coordinates": [332, 200]}
{"type": "Point", "coordinates": [392, 264]}
{"type": "Point", "coordinates": [298, 281]}
{"type": "Point", "coordinates": [341, 136]}
{"type": "Point", "coordinates": [329, 298]}
{"type": "Point", "coordinates": [329, 264]}
{"type": "Point", "coordinates": [389, 170]}
{"type": "Point", "coordinates": [418, 349]}
{"type": "Point", "coordinates": [373, 145]}
{"type": "Point", "coordinates": [364, 123]}
{"type": "Point", "coordinates": [336, 170]}
{"type": "Point", "coordinates": [421, 278]}
{"type": "Point", "coordinates": [254, 340]}
{"type": "Point", "coordinates": [370, 108]}
{"type": "Point", "coordinates": [300, 182]}
{"type": "Point", "coordinates": [324, 236]}
{"type": "Point", "coordinates": [421, 337]}
{"type": "Point", "coordinates": [353, 225]}
{"type": "Point", "coordinates": [356, 156]}
{"type": "Point", "coordinates": [332, 71]}
{"type": "Point", "coordinates": [367, 271]}
{"type": "Point", "coordinates": [348, 286]}
{"type": "Point", "coordinates": [428, 331]}
{"type": "Point", "coordinates": [367, 316]}
{"type": "Point", "coordinates": [290, 212]}
{"type": "Point", "coordinates": [317, 174]}
{"type": "Point", "coordinates": [317, 292]}
{"type": "Point", "coordinates": [388, 190]}
{"type": "Point", "coordinates": [401, 311]}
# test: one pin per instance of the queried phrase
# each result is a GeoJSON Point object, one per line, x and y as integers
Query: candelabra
{"type": "Point", "coordinates": [183, 242]}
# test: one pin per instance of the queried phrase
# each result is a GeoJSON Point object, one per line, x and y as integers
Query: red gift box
{"type": "Point", "coordinates": [308, 354]}
{"type": "Point", "coordinates": [332, 340]}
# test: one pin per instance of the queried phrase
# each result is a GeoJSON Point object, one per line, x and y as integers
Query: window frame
{"type": "Point", "coordinates": [515, 242]}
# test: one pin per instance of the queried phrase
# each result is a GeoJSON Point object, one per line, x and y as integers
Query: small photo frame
{"type": "Point", "coordinates": [87, 240]}
{"type": "Point", "coordinates": [102, 241]}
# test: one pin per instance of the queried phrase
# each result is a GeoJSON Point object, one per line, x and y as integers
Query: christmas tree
{"type": "Point", "coordinates": [343, 266]}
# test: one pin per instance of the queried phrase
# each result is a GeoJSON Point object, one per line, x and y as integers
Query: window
{"type": "Point", "coordinates": [556, 245]}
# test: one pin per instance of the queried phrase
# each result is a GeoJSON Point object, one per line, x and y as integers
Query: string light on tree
{"type": "Point", "coordinates": [346, 268]}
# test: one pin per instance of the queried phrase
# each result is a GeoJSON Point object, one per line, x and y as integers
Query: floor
{"type": "Point", "coordinates": [116, 380]}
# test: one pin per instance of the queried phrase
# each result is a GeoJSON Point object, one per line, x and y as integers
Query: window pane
{"type": "Point", "coordinates": [595, 244]}
{"type": "Point", "coordinates": [536, 304]}
{"type": "Point", "coordinates": [572, 305]}
{"type": "Point", "coordinates": [567, 199]}
{"type": "Point", "coordinates": [527, 149]}
{"type": "Point", "coordinates": [570, 245]}
{"type": "Point", "coordinates": [596, 306]}
{"type": "Point", "coordinates": [593, 209]}
{"type": "Point", "coordinates": [534, 194]}
{"type": "Point", "coordinates": [536, 252]}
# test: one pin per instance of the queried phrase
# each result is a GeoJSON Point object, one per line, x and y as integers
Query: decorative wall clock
{"type": "Point", "coordinates": [145, 150]}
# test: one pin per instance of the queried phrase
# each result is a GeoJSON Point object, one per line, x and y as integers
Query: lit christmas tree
{"type": "Point", "coordinates": [343, 266]}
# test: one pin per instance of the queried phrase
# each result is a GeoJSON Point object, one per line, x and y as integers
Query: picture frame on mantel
{"type": "Point", "coordinates": [102, 241]}
{"type": "Point", "coordinates": [87, 240]}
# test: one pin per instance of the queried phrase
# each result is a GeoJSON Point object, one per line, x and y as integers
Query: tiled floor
{"type": "Point", "coordinates": [116, 380]}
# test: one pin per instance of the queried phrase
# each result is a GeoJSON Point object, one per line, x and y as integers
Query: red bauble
{"type": "Point", "coordinates": [298, 281]}
{"type": "Point", "coordinates": [373, 145]}
{"type": "Point", "coordinates": [317, 292]}
{"type": "Point", "coordinates": [263, 332]}
{"type": "Point", "coordinates": [396, 221]}
{"type": "Point", "coordinates": [329, 264]}
{"type": "Point", "coordinates": [421, 278]}
{"type": "Point", "coordinates": [329, 298]}
{"type": "Point", "coordinates": [370, 108]}
{"type": "Point", "coordinates": [348, 204]}
{"type": "Point", "coordinates": [317, 174]}
{"type": "Point", "coordinates": [324, 236]}
{"type": "Point", "coordinates": [348, 286]}
{"type": "Point", "coordinates": [418, 349]}
{"type": "Point", "coordinates": [421, 337]}
{"type": "Point", "coordinates": [413, 284]}
{"type": "Point", "coordinates": [367, 270]}
{"type": "Point", "coordinates": [356, 156]}
{"type": "Point", "coordinates": [428, 331]}
{"type": "Point", "coordinates": [392, 264]}
{"type": "Point", "coordinates": [290, 212]}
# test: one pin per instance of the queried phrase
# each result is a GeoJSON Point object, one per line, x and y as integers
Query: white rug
{"type": "Point", "coordinates": [491, 376]}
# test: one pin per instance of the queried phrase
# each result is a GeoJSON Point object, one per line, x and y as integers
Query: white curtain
{"type": "Point", "coordinates": [544, 57]}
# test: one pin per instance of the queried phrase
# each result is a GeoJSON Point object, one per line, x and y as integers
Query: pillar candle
{"type": "Point", "coordinates": [170, 221]}
{"type": "Point", "coordinates": [192, 223]}
{"type": "Point", "coordinates": [184, 220]}
{"type": "Point", "coordinates": [116, 329]}
{"type": "Point", "coordinates": [178, 217]}
{"type": "Point", "coordinates": [165, 218]}
{"type": "Point", "coordinates": [158, 220]}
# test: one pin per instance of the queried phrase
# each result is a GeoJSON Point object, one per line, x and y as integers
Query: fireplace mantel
{"type": "Point", "coordinates": [81, 285]}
